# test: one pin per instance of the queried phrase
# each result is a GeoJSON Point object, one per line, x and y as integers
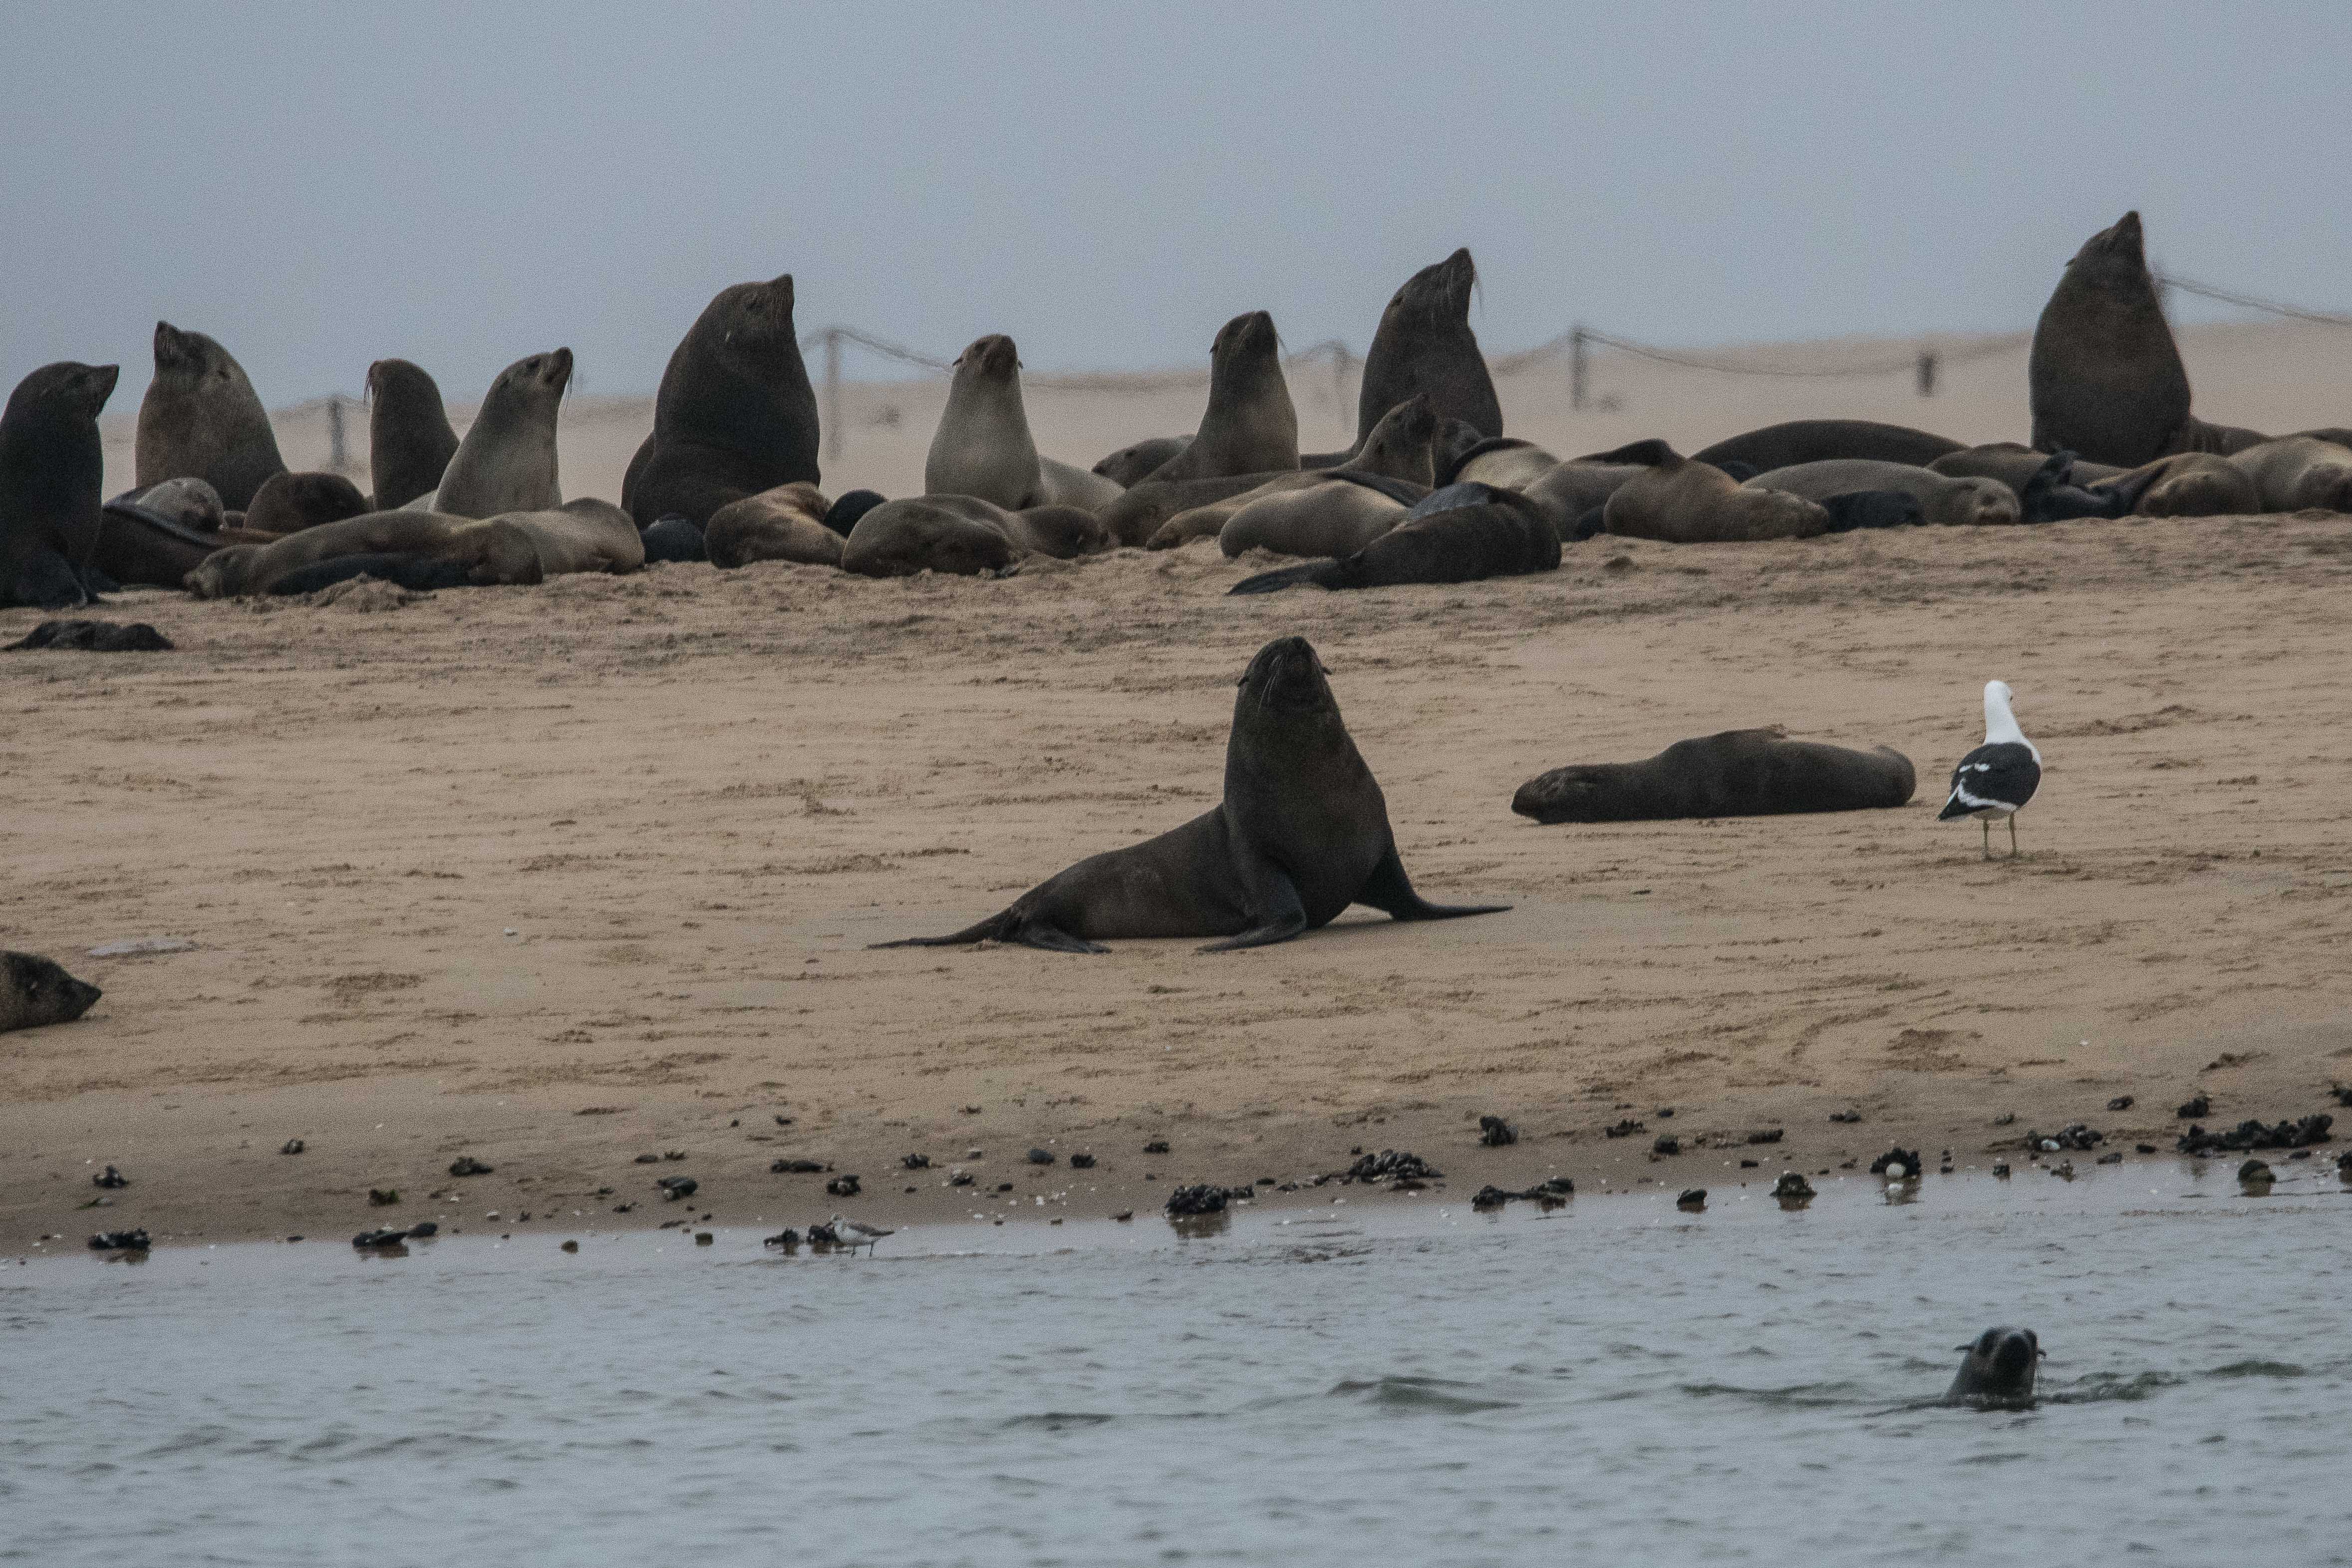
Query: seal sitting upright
{"type": "Point", "coordinates": [735, 414]}
{"type": "Point", "coordinates": [1997, 1369]}
{"type": "Point", "coordinates": [1303, 832]}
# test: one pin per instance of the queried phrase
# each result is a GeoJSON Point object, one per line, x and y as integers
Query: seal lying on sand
{"type": "Point", "coordinates": [964, 535]}
{"type": "Point", "coordinates": [479, 552]}
{"type": "Point", "coordinates": [52, 469]}
{"type": "Point", "coordinates": [291, 502]}
{"type": "Point", "coordinates": [34, 991]}
{"type": "Point", "coordinates": [1303, 832]}
{"type": "Point", "coordinates": [1398, 448]}
{"type": "Point", "coordinates": [1819, 440]}
{"type": "Point", "coordinates": [984, 448]}
{"type": "Point", "coordinates": [1739, 773]}
{"type": "Point", "coordinates": [2298, 471]}
{"type": "Point", "coordinates": [1997, 1368]}
{"type": "Point", "coordinates": [1683, 501]}
{"type": "Point", "coordinates": [410, 442]}
{"type": "Point", "coordinates": [202, 420]}
{"type": "Point", "coordinates": [735, 414]}
{"type": "Point", "coordinates": [1460, 535]}
{"type": "Point", "coordinates": [2188, 484]}
{"type": "Point", "coordinates": [1943, 500]}
{"type": "Point", "coordinates": [786, 523]}
{"type": "Point", "coordinates": [1250, 425]}
{"type": "Point", "coordinates": [507, 461]}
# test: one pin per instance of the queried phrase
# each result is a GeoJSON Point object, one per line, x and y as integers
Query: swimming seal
{"type": "Point", "coordinates": [1784, 446]}
{"type": "Point", "coordinates": [1302, 833]}
{"type": "Point", "coordinates": [1943, 500]}
{"type": "Point", "coordinates": [964, 535]}
{"type": "Point", "coordinates": [34, 992]}
{"type": "Point", "coordinates": [1462, 533]}
{"type": "Point", "coordinates": [410, 441]}
{"type": "Point", "coordinates": [1250, 425]}
{"type": "Point", "coordinates": [1997, 1369]}
{"type": "Point", "coordinates": [984, 448]}
{"type": "Point", "coordinates": [2296, 472]}
{"type": "Point", "coordinates": [202, 420]}
{"type": "Point", "coordinates": [52, 469]}
{"type": "Point", "coordinates": [735, 414]}
{"type": "Point", "coordinates": [507, 461]}
{"type": "Point", "coordinates": [1683, 501]}
{"type": "Point", "coordinates": [291, 502]}
{"type": "Point", "coordinates": [1739, 773]}
{"type": "Point", "coordinates": [786, 523]}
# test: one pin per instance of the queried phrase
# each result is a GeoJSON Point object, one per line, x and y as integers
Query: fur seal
{"type": "Point", "coordinates": [2015, 465]}
{"type": "Point", "coordinates": [1943, 500]}
{"type": "Point", "coordinates": [52, 469]}
{"type": "Point", "coordinates": [92, 636]}
{"type": "Point", "coordinates": [202, 420]}
{"type": "Point", "coordinates": [1997, 1368]}
{"type": "Point", "coordinates": [1399, 447]}
{"type": "Point", "coordinates": [582, 535]}
{"type": "Point", "coordinates": [1462, 533]}
{"type": "Point", "coordinates": [984, 448]}
{"type": "Point", "coordinates": [1250, 425]}
{"type": "Point", "coordinates": [410, 442]}
{"type": "Point", "coordinates": [843, 514]}
{"type": "Point", "coordinates": [34, 991]}
{"type": "Point", "coordinates": [1501, 460]}
{"type": "Point", "coordinates": [675, 540]}
{"type": "Point", "coordinates": [191, 503]}
{"type": "Point", "coordinates": [2295, 472]}
{"type": "Point", "coordinates": [1739, 773]}
{"type": "Point", "coordinates": [964, 535]}
{"type": "Point", "coordinates": [735, 414]}
{"type": "Point", "coordinates": [1140, 513]}
{"type": "Point", "coordinates": [507, 461]}
{"type": "Point", "coordinates": [1302, 833]}
{"type": "Point", "coordinates": [1130, 465]}
{"type": "Point", "coordinates": [1424, 347]}
{"type": "Point", "coordinates": [2188, 484]}
{"type": "Point", "coordinates": [1798, 441]}
{"type": "Point", "coordinates": [1339, 516]}
{"type": "Point", "coordinates": [1683, 501]}
{"type": "Point", "coordinates": [786, 523]}
{"type": "Point", "coordinates": [492, 551]}
{"type": "Point", "coordinates": [291, 502]}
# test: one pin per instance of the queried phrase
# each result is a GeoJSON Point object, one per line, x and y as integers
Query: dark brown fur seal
{"type": "Point", "coordinates": [507, 461]}
{"type": "Point", "coordinates": [1739, 773]}
{"type": "Point", "coordinates": [1683, 501]}
{"type": "Point", "coordinates": [34, 991]}
{"type": "Point", "coordinates": [291, 502]}
{"type": "Point", "coordinates": [410, 441]}
{"type": "Point", "coordinates": [786, 523]}
{"type": "Point", "coordinates": [1462, 533]}
{"type": "Point", "coordinates": [202, 420]}
{"type": "Point", "coordinates": [965, 536]}
{"type": "Point", "coordinates": [1819, 440]}
{"type": "Point", "coordinates": [1424, 347]}
{"type": "Point", "coordinates": [1302, 833]}
{"type": "Point", "coordinates": [1250, 426]}
{"type": "Point", "coordinates": [1997, 1368]}
{"type": "Point", "coordinates": [735, 414]}
{"type": "Point", "coordinates": [52, 469]}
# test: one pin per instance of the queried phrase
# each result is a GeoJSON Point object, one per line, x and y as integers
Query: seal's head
{"type": "Point", "coordinates": [2121, 245]}
{"type": "Point", "coordinates": [34, 991]}
{"type": "Point", "coordinates": [1068, 531]}
{"type": "Point", "coordinates": [291, 502]}
{"type": "Point", "coordinates": [1401, 444]}
{"type": "Point", "coordinates": [1586, 791]}
{"type": "Point", "coordinates": [992, 358]}
{"type": "Point", "coordinates": [1286, 678]}
{"type": "Point", "coordinates": [63, 393]}
{"type": "Point", "coordinates": [221, 575]}
{"type": "Point", "coordinates": [1244, 338]}
{"type": "Point", "coordinates": [1988, 503]}
{"type": "Point", "coordinates": [754, 321]}
{"type": "Point", "coordinates": [1997, 1367]}
{"type": "Point", "coordinates": [534, 381]}
{"type": "Point", "coordinates": [400, 378]}
{"type": "Point", "coordinates": [1439, 292]}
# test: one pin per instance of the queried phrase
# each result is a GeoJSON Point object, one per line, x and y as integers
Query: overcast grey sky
{"type": "Point", "coordinates": [320, 186]}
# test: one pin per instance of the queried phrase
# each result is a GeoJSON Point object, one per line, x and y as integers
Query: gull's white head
{"type": "Point", "coordinates": [1999, 690]}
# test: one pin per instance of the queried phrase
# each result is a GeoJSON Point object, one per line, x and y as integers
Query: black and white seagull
{"type": "Point", "coordinates": [1999, 777]}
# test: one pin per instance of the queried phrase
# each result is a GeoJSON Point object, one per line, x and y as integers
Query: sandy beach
{"type": "Point", "coordinates": [559, 878]}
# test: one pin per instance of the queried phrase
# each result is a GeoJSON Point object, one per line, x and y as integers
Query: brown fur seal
{"type": "Point", "coordinates": [1398, 448]}
{"type": "Point", "coordinates": [1462, 533]}
{"type": "Point", "coordinates": [34, 991]}
{"type": "Point", "coordinates": [410, 442]}
{"type": "Point", "coordinates": [1340, 516]}
{"type": "Point", "coordinates": [1739, 773]}
{"type": "Point", "coordinates": [492, 551]}
{"type": "Point", "coordinates": [291, 502]}
{"type": "Point", "coordinates": [191, 503]}
{"type": "Point", "coordinates": [202, 420]}
{"type": "Point", "coordinates": [1250, 426]}
{"type": "Point", "coordinates": [1424, 347]}
{"type": "Point", "coordinates": [964, 535]}
{"type": "Point", "coordinates": [984, 446]}
{"type": "Point", "coordinates": [1943, 500]}
{"type": "Point", "coordinates": [507, 461]}
{"type": "Point", "coordinates": [52, 470]}
{"type": "Point", "coordinates": [2189, 484]}
{"type": "Point", "coordinates": [1131, 466]}
{"type": "Point", "coordinates": [786, 523]}
{"type": "Point", "coordinates": [1819, 440]}
{"type": "Point", "coordinates": [1683, 500]}
{"type": "Point", "coordinates": [582, 535]}
{"type": "Point", "coordinates": [2296, 472]}
{"type": "Point", "coordinates": [1302, 833]}
{"type": "Point", "coordinates": [1997, 1369]}
{"type": "Point", "coordinates": [1501, 460]}
{"type": "Point", "coordinates": [1140, 513]}
{"type": "Point", "coordinates": [2015, 465]}
{"type": "Point", "coordinates": [735, 414]}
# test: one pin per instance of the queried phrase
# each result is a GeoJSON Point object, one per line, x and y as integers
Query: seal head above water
{"type": "Point", "coordinates": [1997, 1368]}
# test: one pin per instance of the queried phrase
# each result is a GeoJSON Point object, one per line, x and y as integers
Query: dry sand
{"type": "Point", "coordinates": [694, 798]}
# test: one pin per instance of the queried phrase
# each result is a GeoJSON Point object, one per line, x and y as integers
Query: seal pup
{"type": "Point", "coordinates": [965, 536]}
{"type": "Point", "coordinates": [1786, 445]}
{"type": "Point", "coordinates": [1999, 777]}
{"type": "Point", "coordinates": [1341, 515]}
{"type": "Point", "coordinates": [1997, 1369]}
{"type": "Point", "coordinates": [202, 420]}
{"type": "Point", "coordinates": [1130, 465]}
{"type": "Point", "coordinates": [1399, 449]}
{"type": "Point", "coordinates": [843, 514]}
{"type": "Point", "coordinates": [786, 523]}
{"type": "Point", "coordinates": [1943, 500]}
{"type": "Point", "coordinates": [2295, 472]}
{"type": "Point", "coordinates": [1424, 347]}
{"type": "Point", "coordinates": [52, 470]}
{"type": "Point", "coordinates": [1683, 501]}
{"type": "Point", "coordinates": [983, 447]}
{"type": "Point", "coordinates": [1739, 773]}
{"type": "Point", "coordinates": [507, 461]}
{"type": "Point", "coordinates": [1462, 533]}
{"type": "Point", "coordinates": [1250, 425]}
{"type": "Point", "coordinates": [735, 414]}
{"type": "Point", "coordinates": [673, 539]}
{"type": "Point", "coordinates": [34, 991]}
{"type": "Point", "coordinates": [1302, 833]}
{"type": "Point", "coordinates": [291, 502]}
{"type": "Point", "coordinates": [410, 441]}
{"type": "Point", "coordinates": [488, 552]}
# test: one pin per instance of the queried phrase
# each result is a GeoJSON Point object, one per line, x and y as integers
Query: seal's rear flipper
{"type": "Point", "coordinates": [1315, 574]}
{"type": "Point", "coordinates": [1389, 888]}
{"type": "Point", "coordinates": [1003, 927]}
{"type": "Point", "coordinates": [1649, 453]}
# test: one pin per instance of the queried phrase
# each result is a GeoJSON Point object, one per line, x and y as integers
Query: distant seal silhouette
{"type": "Point", "coordinates": [786, 523]}
{"type": "Point", "coordinates": [1784, 446]}
{"type": "Point", "coordinates": [1399, 447]}
{"type": "Point", "coordinates": [291, 502]}
{"type": "Point", "coordinates": [202, 420]}
{"type": "Point", "coordinates": [1250, 425]}
{"type": "Point", "coordinates": [1423, 346]}
{"type": "Point", "coordinates": [1739, 773]}
{"type": "Point", "coordinates": [1302, 833]}
{"type": "Point", "coordinates": [1997, 1368]}
{"type": "Point", "coordinates": [984, 448]}
{"type": "Point", "coordinates": [963, 535]}
{"type": "Point", "coordinates": [1683, 501]}
{"type": "Point", "coordinates": [52, 470]}
{"type": "Point", "coordinates": [507, 461]}
{"type": "Point", "coordinates": [410, 441]}
{"type": "Point", "coordinates": [34, 991]}
{"type": "Point", "coordinates": [1129, 465]}
{"type": "Point", "coordinates": [479, 552]}
{"type": "Point", "coordinates": [1943, 500]}
{"type": "Point", "coordinates": [2296, 472]}
{"type": "Point", "coordinates": [735, 414]}
{"type": "Point", "coordinates": [1462, 533]}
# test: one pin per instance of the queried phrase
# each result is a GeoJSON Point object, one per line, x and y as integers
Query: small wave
{"type": "Point", "coordinates": [2259, 1369]}
{"type": "Point", "coordinates": [1997, 1458]}
{"type": "Point", "coordinates": [1796, 1396]}
{"type": "Point", "coordinates": [1411, 1394]}
{"type": "Point", "coordinates": [2107, 1385]}
{"type": "Point", "coordinates": [1056, 1420]}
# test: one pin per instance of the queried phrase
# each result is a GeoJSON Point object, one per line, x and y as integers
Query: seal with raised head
{"type": "Point", "coordinates": [291, 502]}
{"type": "Point", "coordinates": [1318, 508]}
{"type": "Point", "coordinates": [1739, 773]}
{"type": "Point", "coordinates": [52, 471]}
{"type": "Point", "coordinates": [1786, 445]}
{"type": "Point", "coordinates": [1997, 1369]}
{"type": "Point", "coordinates": [1131, 464]}
{"type": "Point", "coordinates": [735, 414]}
{"type": "Point", "coordinates": [479, 552]}
{"type": "Point", "coordinates": [1302, 833]}
{"type": "Point", "coordinates": [1250, 425]}
{"type": "Point", "coordinates": [202, 420]}
{"type": "Point", "coordinates": [2296, 472]}
{"type": "Point", "coordinates": [1423, 346]}
{"type": "Point", "coordinates": [34, 991]}
{"type": "Point", "coordinates": [507, 461]}
{"type": "Point", "coordinates": [1462, 533]}
{"type": "Point", "coordinates": [410, 441]}
{"type": "Point", "coordinates": [1683, 501]}
{"type": "Point", "coordinates": [786, 523]}
{"type": "Point", "coordinates": [965, 536]}
{"type": "Point", "coordinates": [1942, 499]}
{"type": "Point", "coordinates": [984, 448]}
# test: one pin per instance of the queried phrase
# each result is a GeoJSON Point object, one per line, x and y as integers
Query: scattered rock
{"type": "Point", "coordinates": [2116, 1158]}
{"type": "Point", "coordinates": [1765, 1135]}
{"type": "Point", "coordinates": [1623, 1129]}
{"type": "Point", "coordinates": [795, 1168]}
{"type": "Point", "coordinates": [1845, 1115]}
{"type": "Point", "coordinates": [1898, 1164]}
{"type": "Point", "coordinates": [2194, 1107]}
{"type": "Point", "coordinates": [912, 1162]}
{"type": "Point", "coordinates": [2254, 1173]}
{"type": "Point", "coordinates": [2120, 1102]}
{"type": "Point", "coordinates": [1496, 1133]}
{"type": "Point", "coordinates": [2006, 1119]}
{"type": "Point", "coordinates": [1490, 1197]}
{"type": "Point", "coordinates": [1667, 1143]}
{"type": "Point", "coordinates": [1005, 1186]}
{"type": "Point", "coordinates": [676, 1187]}
{"type": "Point", "coordinates": [119, 1241]}
{"type": "Point", "coordinates": [1124, 1215]}
{"type": "Point", "coordinates": [1041, 1157]}
{"type": "Point", "coordinates": [1186, 1201]}
{"type": "Point", "coordinates": [1082, 1162]}
{"type": "Point", "coordinates": [2074, 1138]}
{"type": "Point", "coordinates": [1157, 1146]}
{"type": "Point", "coordinates": [961, 1179]}
{"type": "Point", "coordinates": [393, 1236]}
{"type": "Point", "coordinates": [1391, 1165]}
{"type": "Point", "coordinates": [1548, 1192]}
{"type": "Point", "coordinates": [2344, 1164]}
{"type": "Point", "coordinates": [673, 1154]}
{"type": "Point", "coordinates": [466, 1165]}
{"type": "Point", "coordinates": [843, 1186]}
{"type": "Point", "coordinates": [382, 1197]}
{"type": "Point", "coordinates": [127, 946]}
{"type": "Point", "coordinates": [649, 1159]}
{"type": "Point", "coordinates": [291, 1146]}
{"type": "Point", "coordinates": [2299, 1134]}
{"type": "Point", "coordinates": [1693, 1198]}
{"type": "Point", "coordinates": [703, 1238]}
{"type": "Point", "coordinates": [2000, 1169]}
{"type": "Point", "coordinates": [787, 1239]}
{"type": "Point", "coordinates": [1792, 1188]}
{"type": "Point", "coordinates": [110, 1177]}
{"type": "Point", "coordinates": [1749, 1164]}
{"type": "Point", "coordinates": [2343, 1094]}
{"type": "Point", "coordinates": [571, 1247]}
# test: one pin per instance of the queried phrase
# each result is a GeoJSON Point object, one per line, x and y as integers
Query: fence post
{"type": "Point", "coordinates": [1575, 367]}
{"type": "Point", "coordinates": [1927, 372]}
{"type": "Point", "coordinates": [335, 459]}
{"type": "Point", "coordinates": [833, 391]}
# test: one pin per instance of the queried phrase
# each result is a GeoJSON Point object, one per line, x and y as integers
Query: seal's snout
{"type": "Point", "coordinates": [83, 997]}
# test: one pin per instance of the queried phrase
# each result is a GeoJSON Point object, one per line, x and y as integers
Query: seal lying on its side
{"type": "Point", "coordinates": [1943, 500]}
{"type": "Point", "coordinates": [202, 420]}
{"type": "Point", "coordinates": [786, 523]}
{"type": "Point", "coordinates": [1398, 448]}
{"type": "Point", "coordinates": [964, 535]}
{"type": "Point", "coordinates": [735, 414]}
{"type": "Point", "coordinates": [2298, 471]}
{"type": "Point", "coordinates": [1683, 501]}
{"type": "Point", "coordinates": [52, 470]}
{"type": "Point", "coordinates": [1997, 1368]}
{"type": "Point", "coordinates": [984, 448]}
{"type": "Point", "coordinates": [2188, 484]}
{"type": "Point", "coordinates": [1818, 441]}
{"type": "Point", "coordinates": [34, 991]}
{"type": "Point", "coordinates": [1302, 833]}
{"type": "Point", "coordinates": [582, 535]}
{"type": "Point", "coordinates": [487, 553]}
{"type": "Point", "coordinates": [1739, 773]}
{"type": "Point", "coordinates": [410, 442]}
{"type": "Point", "coordinates": [1461, 533]}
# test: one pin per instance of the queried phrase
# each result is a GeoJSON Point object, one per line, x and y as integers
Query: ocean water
{"type": "Point", "coordinates": [1392, 1380]}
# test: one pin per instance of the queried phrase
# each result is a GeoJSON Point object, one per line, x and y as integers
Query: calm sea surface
{"type": "Point", "coordinates": [1393, 1382]}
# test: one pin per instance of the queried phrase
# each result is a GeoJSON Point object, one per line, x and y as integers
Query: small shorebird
{"type": "Point", "coordinates": [1999, 777]}
{"type": "Point", "coordinates": [848, 1233]}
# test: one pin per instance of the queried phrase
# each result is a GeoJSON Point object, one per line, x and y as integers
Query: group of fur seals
{"type": "Point", "coordinates": [34, 992]}
{"type": "Point", "coordinates": [735, 414]}
{"type": "Point", "coordinates": [1462, 533]}
{"type": "Point", "coordinates": [52, 469]}
{"type": "Point", "coordinates": [1323, 511]}
{"type": "Point", "coordinates": [410, 441]}
{"type": "Point", "coordinates": [202, 420]}
{"type": "Point", "coordinates": [459, 549]}
{"type": "Point", "coordinates": [964, 535]}
{"type": "Point", "coordinates": [1739, 773]}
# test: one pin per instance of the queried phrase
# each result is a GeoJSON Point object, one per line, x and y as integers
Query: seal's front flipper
{"type": "Point", "coordinates": [1284, 916]}
{"type": "Point", "coordinates": [1389, 888]}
